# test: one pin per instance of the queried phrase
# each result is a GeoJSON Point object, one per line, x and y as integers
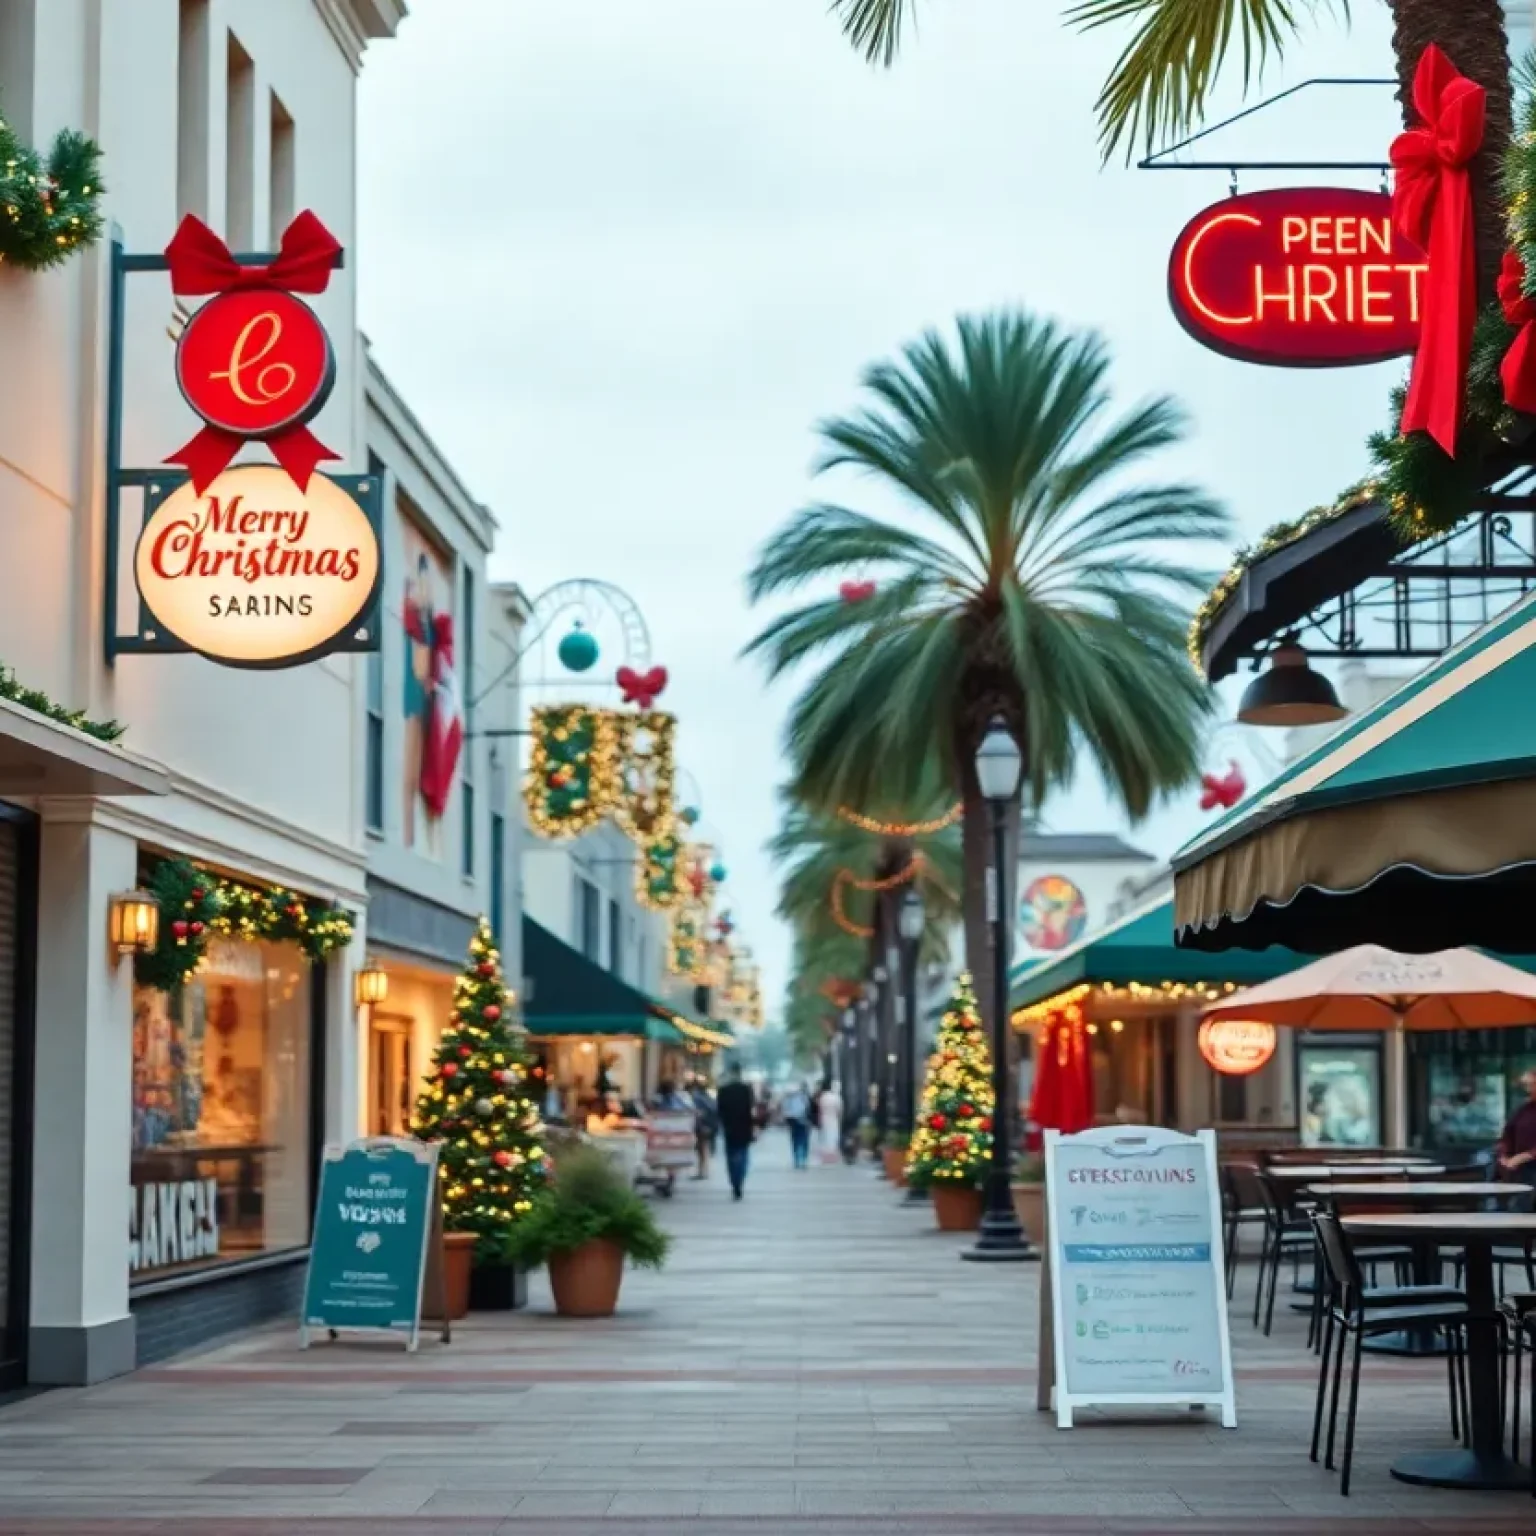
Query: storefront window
{"type": "Point", "coordinates": [221, 1111]}
{"type": "Point", "coordinates": [1340, 1096]}
{"type": "Point", "coordinates": [1466, 1100]}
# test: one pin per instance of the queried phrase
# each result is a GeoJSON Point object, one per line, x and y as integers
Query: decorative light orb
{"type": "Point", "coordinates": [717, 872]}
{"type": "Point", "coordinates": [1236, 1047]}
{"type": "Point", "coordinates": [370, 986]}
{"type": "Point", "coordinates": [578, 650]}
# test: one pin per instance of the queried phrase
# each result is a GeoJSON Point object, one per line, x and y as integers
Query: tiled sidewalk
{"type": "Point", "coordinates": [814, 1360]}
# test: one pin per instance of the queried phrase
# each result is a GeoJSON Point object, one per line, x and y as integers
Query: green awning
{"type": "Point", "coordinates": [1139, 947]}
{"type": "Point", "coordinates": [571, 995]}
{"type": "Point", "coordinates": [1413, 826]}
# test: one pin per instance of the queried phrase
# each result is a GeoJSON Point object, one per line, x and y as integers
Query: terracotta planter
{"type": "Point", "coordinates": [957, 1208]}
{"type": "Point", "coordinates": [896, 1164]}
{"type": "Point", "coordinates": [586, 1280]}
{"type": "Point", "coordinates": [1029, 1207]}
{"type": "Point", "coordinates": [458, 1260]}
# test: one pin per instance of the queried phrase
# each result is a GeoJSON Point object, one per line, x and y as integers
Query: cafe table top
{"type": "Point", "coordinates": [1417, 1191]}
{"type": "Point", "coordinates": [1448, 1226]}
{"type": "Point", "coordinates": [1308, 1173]}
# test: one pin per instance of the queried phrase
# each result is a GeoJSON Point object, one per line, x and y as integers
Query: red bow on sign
{"type": "Point", "coordinates": [1432, 207]}
{"type": "Point", "coordinates": [856, 591]}
{"type": "Point", "coordinates": [641, 688]}
{"type": "Point", "coordinates": [1225, 791]}
{"type": "Point", "coordinates": [255, 367]}
{"type": "Point", "coordinates": [1518, 369]}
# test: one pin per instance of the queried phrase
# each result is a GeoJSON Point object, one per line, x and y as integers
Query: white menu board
{"type": "Point", "coordinates": [1137, 1276]}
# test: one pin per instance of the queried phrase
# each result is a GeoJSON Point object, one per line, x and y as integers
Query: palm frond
{"type": "Point", "coordinates": [875, 27]}
{"type": "Point", "coordinates": [1164, 77]}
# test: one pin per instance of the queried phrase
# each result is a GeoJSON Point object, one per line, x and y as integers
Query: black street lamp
{"type": "Point", "coordinates": [848, 1088]}
{"type": "Point", "coordinates": [999, 766]}
{"type": "Point", "coordinates": [909, 923]}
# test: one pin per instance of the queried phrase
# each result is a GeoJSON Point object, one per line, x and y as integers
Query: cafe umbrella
{"type": "Point", "coordinates": [1371, 988]}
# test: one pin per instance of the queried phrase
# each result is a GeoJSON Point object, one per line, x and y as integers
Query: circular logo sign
{"type": "Point", "coordinates": [1053, 912]}
{"type": "Point", "coordinates": [255, 572]}
{"type": "Point", "coordinates": [1236, 1047]}
{"type": "Point", "coordinates": [255, 362]}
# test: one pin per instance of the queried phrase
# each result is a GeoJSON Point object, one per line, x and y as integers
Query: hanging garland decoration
{"type": "Point", "coordinates": [48, 212]}
{"type": "Point", "coordinates": [645, 742]}
{"type": "Point", "coordinates": [846, 877]}
{"type": "Point", "coordinates": [686, 952]}
{"type": "Point", "coordinates": [13, 691]}
{"type": "Point", "coordinates": [573, 769]}
{"type": "Point", "coordinates": [901, 828]}
{"type": "Point", "coordinates": [196, 904]}
{"type": "Point", "coordinates": [659, 882]}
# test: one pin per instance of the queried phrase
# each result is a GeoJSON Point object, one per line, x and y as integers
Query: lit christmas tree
{"type": "Point", "coordinates": [476, 1104]}
{"type": "Point", "coordinates": [952, 1141]}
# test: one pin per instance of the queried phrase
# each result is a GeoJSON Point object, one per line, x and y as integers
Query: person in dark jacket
{"type": "Point", "coordinates": [736, 1110]}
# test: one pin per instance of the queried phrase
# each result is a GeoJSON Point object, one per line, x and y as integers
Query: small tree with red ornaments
{"type": "Point", "coordinates": [952, 1141]}
{"type": "Point", "coordinates": [475, 1102]}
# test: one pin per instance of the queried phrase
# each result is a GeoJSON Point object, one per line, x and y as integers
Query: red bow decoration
{"type": "Point", "coordinates": [200, 263]}
{"type": "Point", "coordinates": [1518, 369]}
{"type": "Point", "coordinates": [1432, 207]}
{"type": "Point", "coordinates": [1225, 791]}
{"type": "Point", "coordinates": [641, 688]}
{"type": "Point", "coordinates": [856, 591]}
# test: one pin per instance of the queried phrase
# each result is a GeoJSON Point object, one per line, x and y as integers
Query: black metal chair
{"type": "Point", "coordinates": [1358, 1311]}
{"type": "Point", "coordinates": [1241, 1206]}
{"type": "Point", "coordinates": [1287, 1234]}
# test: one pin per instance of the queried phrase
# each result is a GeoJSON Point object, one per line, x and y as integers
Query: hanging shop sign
{"type": "Point", "coordinates": [1137, 1289]}
{"type": "Point", "coordinates": [1299, 277]}
{"type": "Point", "coordinates": [1236, 1047]}
{"type": "Point", "coordinates": [252, 571]}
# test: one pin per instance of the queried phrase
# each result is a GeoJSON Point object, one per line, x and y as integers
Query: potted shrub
{"type": "Point", "coordinates": [1028, 1186]}
{"type": "Point", "coordinates": [458, 1262]}
{"type": "Point", "coordinates": [896, 1158]}
{"type": "Point", "coordinates": [583, 1226]}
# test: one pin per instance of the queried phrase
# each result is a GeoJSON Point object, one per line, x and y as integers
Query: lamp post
{"type": "Point", "coordinates": [850, 1070]}
{"type": "Point", "coordinates": [909, 923]}
{"type": "Point", "coordinates": [999, 765]}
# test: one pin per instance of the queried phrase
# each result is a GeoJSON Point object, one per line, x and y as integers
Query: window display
{"type": "Point", "coordinates": [221, 1099]}
{"type": "Point", "coordinates": [1340, 1096]}
{"type": "Point", "coordinates": [1466, 1100]}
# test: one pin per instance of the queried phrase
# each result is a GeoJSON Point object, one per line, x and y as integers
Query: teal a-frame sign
{"type": "Point", "coordinates": [377, 1252]}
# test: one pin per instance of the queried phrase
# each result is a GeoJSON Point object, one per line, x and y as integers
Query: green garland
{"type": "Point", "coordinates": [39, 703]}
{"type": "Point", "coordinates": [48, 211]}
{"type": "Point", "coordinates": [194, 904]}
{"type": "Point", "coordinates": [1520, 179]}
{"type": "Point", "coordinates": [659, 883]}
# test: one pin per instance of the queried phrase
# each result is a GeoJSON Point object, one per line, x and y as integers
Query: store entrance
{"type": "Point", "coordinates": [389, 1072]}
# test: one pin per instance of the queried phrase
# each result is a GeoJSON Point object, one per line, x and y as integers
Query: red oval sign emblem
{"type": "Point", "coordinates": [1299, 277]}
{"type": "Point", "coordinates": [255, 362]}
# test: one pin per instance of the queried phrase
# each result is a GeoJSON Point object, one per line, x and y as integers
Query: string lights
{"type": "Point", "coordinates": [645, 743]}
{"type": "Point", "coordinates": [573, 777]}
{"type": "Point", "coordinates": [900, 828]}
{"type": "Point", "coordinates": [845, 877]}
{"type": "Point", "coordinates": [1132, 992]}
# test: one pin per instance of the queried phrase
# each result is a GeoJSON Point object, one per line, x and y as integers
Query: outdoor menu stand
{"type": "Point", "coordinates": [1485, 1464]}
{"type": "Point", "coordinates": [1345, 1199]}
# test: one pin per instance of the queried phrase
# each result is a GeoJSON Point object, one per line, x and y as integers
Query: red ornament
{"type": "Point", "coordinates": [450, 1069]}
{"type": "Point", "coordinates": [197, 893]}
{"type": "Point", "coordinates": [856, 591]}
{"type": "Point", "coordinates": [1518, 370]}
{"type": "Point", "coordinates": [293, 909]}
{"type": "Point", "coordinates": [559, 778]}
{"type": "Point", "coordinates": [502, 1159]}
{"type": "Point", "coordinates": [485, 968]}
{"type": "Point", "coordinates": [196, 928]}
{"type": "Point", "coordinates": [966, 1111]}
{"type": "Point", "coordinates": [492, 1012]}
{"type": "Point", "coordinates": [1225, 791]}
{"type": "Point", "coordinates": [985, 1123]}
{"type": "Point", "coordinates": [179, 928]}
{"type": "Point", "coordinates": [641, 689]}
{"type": "Point", "coordinates": [1432, 206]}
{"type": "Point", "coordinates": [254, 362]}
{"type": "Point", "coordinates": [464, 1051]}
{"type": "Point", "coordinates": [938, 1122]}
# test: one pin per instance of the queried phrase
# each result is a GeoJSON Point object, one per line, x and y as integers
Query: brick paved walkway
{"type": "Point", "coordinates": [814, 1360]}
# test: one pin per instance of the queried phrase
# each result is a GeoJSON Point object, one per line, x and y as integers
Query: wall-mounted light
{"type": "Point", "coordinates": [370, 986]}
{"type": "Point", "coordinates": [133, 922]}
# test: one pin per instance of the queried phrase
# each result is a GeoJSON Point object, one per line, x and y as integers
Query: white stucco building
{"type": "Point", "coordinates": [241, 111]}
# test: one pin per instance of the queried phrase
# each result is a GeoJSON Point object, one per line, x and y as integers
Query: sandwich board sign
{"type": "Point", "coordinates": [1138, 1294]}
{"type": "Point", "coordinates": [376, 1258]}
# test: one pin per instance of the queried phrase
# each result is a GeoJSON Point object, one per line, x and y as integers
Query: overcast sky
{"type": "Point", "coordinates": [620, 255]}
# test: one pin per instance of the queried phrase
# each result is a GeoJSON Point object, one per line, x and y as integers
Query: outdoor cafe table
{"type": "Point", "coordinates": [1477, 1233]}
{"type": "Point", "coordinates": [1425, 1195]}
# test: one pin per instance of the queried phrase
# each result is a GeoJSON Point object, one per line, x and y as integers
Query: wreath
{"type": "Point", "coordinates": [48, 210]}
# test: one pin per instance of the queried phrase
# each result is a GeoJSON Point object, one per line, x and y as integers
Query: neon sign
{"type": "Point", "coordinates": [1236, 1047]}
{"type": "Point", "coordinates": [1299, 277]}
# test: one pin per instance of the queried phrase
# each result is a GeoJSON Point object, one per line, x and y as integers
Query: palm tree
{"type": "Point", "coordinates": [1030, 582]}
{"type": "Point", "coordinates": [1164, 77]}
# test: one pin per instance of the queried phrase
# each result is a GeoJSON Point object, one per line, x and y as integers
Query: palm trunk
{"type": "Point", "coordinates": [1472, 35]}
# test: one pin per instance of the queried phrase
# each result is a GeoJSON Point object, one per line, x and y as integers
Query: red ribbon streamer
{"type": "Point", "coordinates": [201, 263]}
{"type": "Point", "coordinates": [1432, 207]}
{"type": "Point", "coordinates": [1518, 369]}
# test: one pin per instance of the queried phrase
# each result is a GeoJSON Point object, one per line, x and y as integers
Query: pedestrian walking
{"type": "Point", "coordinates": [829, 1120]}
{"type": "Point", "coordinates": [737, 1111]}
{"type": "Point", "coordinates": [797, 1116]}
{"type": "Point", "coordinates": [706, 1130]}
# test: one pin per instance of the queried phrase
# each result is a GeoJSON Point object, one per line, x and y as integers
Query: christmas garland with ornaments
{"type": "Point", "coordinates": [195, 905]}
{"type": "Point", "coordinates": [48, 210]}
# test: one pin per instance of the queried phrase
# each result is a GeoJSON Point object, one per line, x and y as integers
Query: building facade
{"type": "Point", "coordinates": [242, 112]}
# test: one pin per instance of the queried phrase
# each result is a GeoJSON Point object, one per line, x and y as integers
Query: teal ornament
{"type": "Point", "coordinates": [688, 815]}
{"type": "Point", "coordinates": [717, 872]}
{"type": "Point", "coordinates": [578, 651]}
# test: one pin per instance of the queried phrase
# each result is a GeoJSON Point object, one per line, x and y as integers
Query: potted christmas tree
{"type": "Point", "coordinates": [583, 1226]}
{"type": "Point", "coordinates": [474, 1102]}
{"type": "Point", "coordinates": [951, 1149]}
